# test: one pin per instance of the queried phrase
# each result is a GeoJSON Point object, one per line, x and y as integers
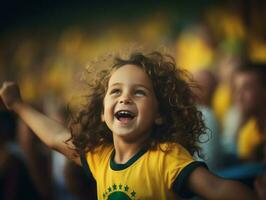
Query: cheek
{"type": "Point", "coordinates": [108, 107]}
{"type": "Point", "coordinates": [149, 110]}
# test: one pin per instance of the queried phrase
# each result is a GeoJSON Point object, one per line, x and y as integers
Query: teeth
{"type": "Point", "coordinates": [124, 114]}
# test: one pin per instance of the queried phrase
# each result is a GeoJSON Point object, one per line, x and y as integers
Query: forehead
{"type": "Point", "coordinates": [130, 74]}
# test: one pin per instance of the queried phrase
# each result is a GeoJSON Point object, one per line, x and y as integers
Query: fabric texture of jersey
{"type": "Point", "coordinates": [150, 174]}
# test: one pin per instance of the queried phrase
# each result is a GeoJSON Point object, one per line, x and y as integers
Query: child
{"type": "Point", "coordinates": [136, 135]}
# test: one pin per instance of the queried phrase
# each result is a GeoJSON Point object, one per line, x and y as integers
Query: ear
{"type": "Point", "coordinates": [158, 120]}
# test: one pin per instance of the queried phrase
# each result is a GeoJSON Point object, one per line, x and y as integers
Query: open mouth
{"type": "Point", "coordinates": [124, 115]}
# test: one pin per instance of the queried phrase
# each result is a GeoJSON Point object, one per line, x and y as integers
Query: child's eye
{"type": "Point", "coordinates": [140, 93]}
{"type": "Point", "coordinates": [115, 91]}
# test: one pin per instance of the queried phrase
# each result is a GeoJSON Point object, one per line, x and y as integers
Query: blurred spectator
{"type": "Point", "coordinates": [210, 142]}
{"type": "Point", "coordinates": [60, 190]}
{"type": "Point", "coordinates": [250, 89]}
{"type": "Point", "coordinates": [47, 167]}
{"type": "Point", "coordinates": [195, 47]}
{"type": "Point", "coordinates": [222, 99]}
{"type": "Point", "coordinates": [232, 122]}
{"type": "Point", "coordinates": [78, 182]}
{"type": "Point", "coordinates": [227, 114]}
{"type": "Point", "coordinates": [53, 108]}
{"type": "Point", "coordinates": [38, 160]}
{"type": "Point", "coordinates": [15, 182]}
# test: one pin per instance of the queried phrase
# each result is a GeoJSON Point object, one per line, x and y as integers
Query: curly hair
{"type": "Point", "coordinates": [182, 122]}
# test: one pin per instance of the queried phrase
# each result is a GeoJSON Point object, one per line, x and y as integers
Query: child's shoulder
{"type": "Point", "coordinates": [171, 159]}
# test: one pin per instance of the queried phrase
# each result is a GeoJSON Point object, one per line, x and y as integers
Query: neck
{"type": "Point", "coordinates": [125, 150]}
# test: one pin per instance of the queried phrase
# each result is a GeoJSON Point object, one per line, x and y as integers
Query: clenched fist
{"type": "Point", "coordinates": [10, 94]}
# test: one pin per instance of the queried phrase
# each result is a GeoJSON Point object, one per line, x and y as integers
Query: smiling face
{"type": "Point", "coordinates": [130, 105]}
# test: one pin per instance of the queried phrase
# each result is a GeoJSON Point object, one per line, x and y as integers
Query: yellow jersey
{"type": "Point", "coordinates": [150, 174]}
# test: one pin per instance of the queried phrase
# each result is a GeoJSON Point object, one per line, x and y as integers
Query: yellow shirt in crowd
{"type": "Point", "coordinates": [221, 102]}
{"type": "Point", "coordinates": [249, 138]}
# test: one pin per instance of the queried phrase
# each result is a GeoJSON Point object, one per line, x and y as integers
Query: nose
{"type": "Point", "coordinates": [125, 99]}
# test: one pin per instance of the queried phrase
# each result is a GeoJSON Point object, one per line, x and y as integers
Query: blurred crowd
{"type": "Point", "coordinates": [225, 50]}
{"type": "Point", "coordinates": [30, 170]}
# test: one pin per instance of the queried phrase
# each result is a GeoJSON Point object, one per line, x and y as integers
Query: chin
{"type": "Point", "coordinates": [124, 135]}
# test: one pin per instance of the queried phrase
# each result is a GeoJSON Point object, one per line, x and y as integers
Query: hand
{"type": "Point", "coordinates": [10, 94]}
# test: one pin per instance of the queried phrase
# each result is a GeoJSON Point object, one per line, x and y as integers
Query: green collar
{"type": "Point", "coordinates": [117, 167]}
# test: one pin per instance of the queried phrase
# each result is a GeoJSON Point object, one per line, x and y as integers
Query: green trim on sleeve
{"type": "Point", "coordinates": [179, 185]}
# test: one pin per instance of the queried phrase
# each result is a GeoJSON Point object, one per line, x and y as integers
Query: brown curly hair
{"type": "Point", "coordinates": [182, 122]}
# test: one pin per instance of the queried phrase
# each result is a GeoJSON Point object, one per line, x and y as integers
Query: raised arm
{"type": "Point", "coordinates": [52, 133]}
{"type": "Point", "coordinates": [210, 186]}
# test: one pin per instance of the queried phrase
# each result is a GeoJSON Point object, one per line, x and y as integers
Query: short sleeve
{"type": "Point", "coordinates": [93, 162]}
{"type": "Point", "coordinates": [85, 166]}
{"type": "Point", "coordinates": [180, 183]}
{"type": "Point", "coordinates": [177, 166]}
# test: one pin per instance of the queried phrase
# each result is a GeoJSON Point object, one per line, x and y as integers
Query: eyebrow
{"type": "Point", "coordinates": [135, 85]}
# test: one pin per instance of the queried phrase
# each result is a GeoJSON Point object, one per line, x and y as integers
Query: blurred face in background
{"type": "Point", "coordinates": [207, 84]}
{"type": "Point", "coordinates": [248, 92]}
